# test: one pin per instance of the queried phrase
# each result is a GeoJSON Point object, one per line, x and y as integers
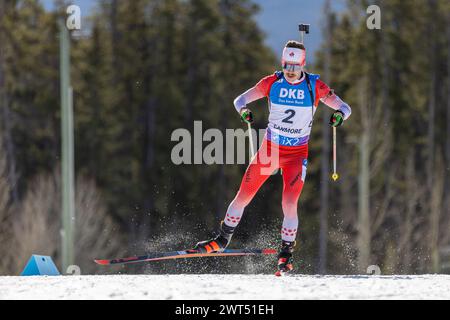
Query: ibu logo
{"type": "Point", "coordinates": [292, 93]}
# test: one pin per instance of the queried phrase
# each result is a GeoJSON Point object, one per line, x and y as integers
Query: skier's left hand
{"type": "Point", "coordinates": [246, 115]}
{"type": "Point", "coordinates": [337, 119]}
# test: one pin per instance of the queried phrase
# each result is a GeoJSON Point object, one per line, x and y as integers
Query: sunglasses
{"type": "Point", "coordinates": [290, 67]}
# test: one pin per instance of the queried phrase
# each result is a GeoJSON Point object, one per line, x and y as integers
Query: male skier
{"type": "Point", "coordinates": [293, 97]}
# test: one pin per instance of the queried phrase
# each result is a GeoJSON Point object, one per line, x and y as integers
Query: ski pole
{"type": "Point", "coordinates": [250, 138]}
{"type": "Point", "coordinates": [335, 175]}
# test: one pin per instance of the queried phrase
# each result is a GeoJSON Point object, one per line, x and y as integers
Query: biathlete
{"type": "Point", "coordinates": [293, 96]}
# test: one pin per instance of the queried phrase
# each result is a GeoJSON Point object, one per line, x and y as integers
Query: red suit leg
{"type": "Point", "coordinates": [264, 163]}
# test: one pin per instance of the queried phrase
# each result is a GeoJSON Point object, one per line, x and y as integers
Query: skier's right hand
{"type": "Point", "coordinates": [337, 119]}
{"type": "Point", "coordinates": [246, 115]}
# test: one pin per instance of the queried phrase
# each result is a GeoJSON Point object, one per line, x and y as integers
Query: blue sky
{"type": "Point", "coordinates": [279, 20]}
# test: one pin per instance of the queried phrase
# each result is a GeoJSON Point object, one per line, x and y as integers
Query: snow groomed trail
{"type": "Point", "coordinates": [225, 287]}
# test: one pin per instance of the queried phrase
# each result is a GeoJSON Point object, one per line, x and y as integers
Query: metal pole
{"type": "Point", "coordinates": [67, 149]}
{"type": "Point", "coordinates": [335, 175]}
{"type": "Point", "coordinates": [250, 138]}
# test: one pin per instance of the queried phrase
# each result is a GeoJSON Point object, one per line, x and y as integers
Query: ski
{"type": "Point", "coordinates": [158, 256]}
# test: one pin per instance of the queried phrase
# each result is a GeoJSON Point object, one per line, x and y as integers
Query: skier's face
{"type": "Point", "coordinates": [292, 75]}
{"type": "Point", "coordinates": [292, 71]}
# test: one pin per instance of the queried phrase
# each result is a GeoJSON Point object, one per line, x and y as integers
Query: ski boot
{"type": "Point", "coordinates": [217, 244]}
{"type": "Point", "coordinates": [285, 258]}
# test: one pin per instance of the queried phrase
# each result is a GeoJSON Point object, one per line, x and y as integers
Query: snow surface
{"type": "Point", "coordinates": [222, 287]}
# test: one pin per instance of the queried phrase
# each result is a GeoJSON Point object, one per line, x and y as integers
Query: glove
{"type": "Point", "coordinates": [246, 115]}
{"type": "Point", "coordinates": [337, 119]}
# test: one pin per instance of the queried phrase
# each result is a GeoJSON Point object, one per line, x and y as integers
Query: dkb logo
{"type": "Point", "coordinates": [292, 93]}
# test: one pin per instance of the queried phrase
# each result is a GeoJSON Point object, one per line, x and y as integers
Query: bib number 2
{"type": "Point", "coordinates": [291, 114]}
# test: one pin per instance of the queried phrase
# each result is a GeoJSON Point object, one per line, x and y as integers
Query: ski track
{"type": "Point", "coordinates": [223, 287]}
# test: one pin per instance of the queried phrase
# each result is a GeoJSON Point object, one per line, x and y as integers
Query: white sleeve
{"type": "Point", "coordinates": [247, 97]}
{"type": "Point", "coordinates": [334, 102]}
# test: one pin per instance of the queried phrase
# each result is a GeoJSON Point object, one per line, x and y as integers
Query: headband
{"type": "Point", "coordinates": [294, 55]}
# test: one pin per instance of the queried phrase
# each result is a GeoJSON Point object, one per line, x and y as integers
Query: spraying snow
{"type": "Point", "coordinates": [222, 287]}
